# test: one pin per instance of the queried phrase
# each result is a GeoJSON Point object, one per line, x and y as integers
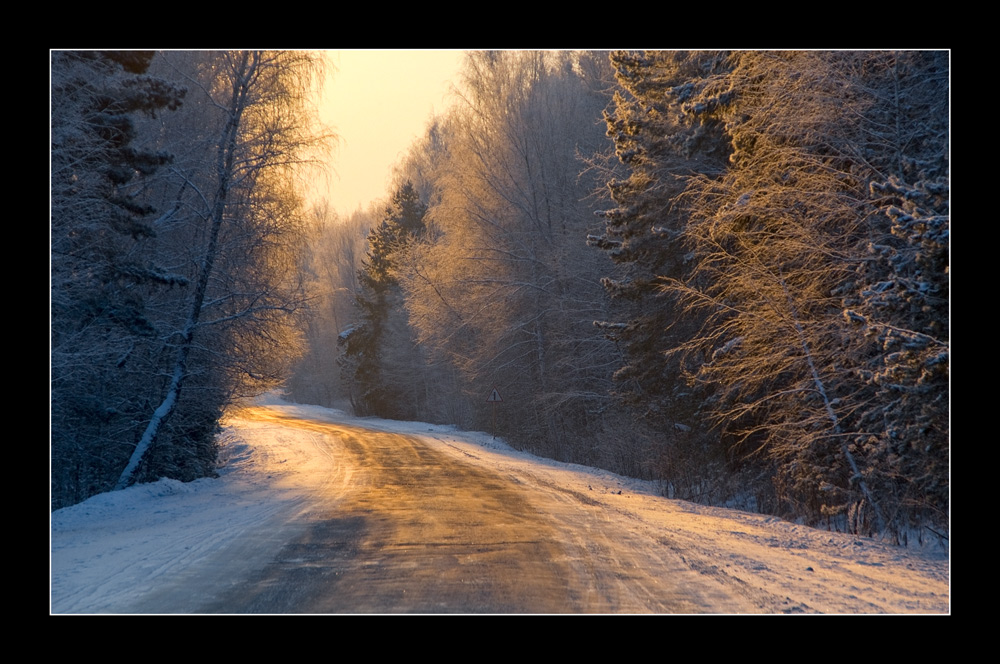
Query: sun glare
{"type": "Point", "coordinates": [379, 102]}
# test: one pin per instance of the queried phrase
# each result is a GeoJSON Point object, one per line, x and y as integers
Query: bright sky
{"type": "Point", "coordinates": [379, 102]}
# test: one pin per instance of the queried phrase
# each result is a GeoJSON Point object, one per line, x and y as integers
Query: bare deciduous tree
{"type": "Point", "coordinates": [241, 224]}
{"type": "Point", "coordinates": [505, 287]}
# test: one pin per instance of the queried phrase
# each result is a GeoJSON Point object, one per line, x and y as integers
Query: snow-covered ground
{"type": "Point", "coordinates": [114, 548]}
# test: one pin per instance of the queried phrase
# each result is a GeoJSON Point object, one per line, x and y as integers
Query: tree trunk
{"type": "Point", "coordinates": [830, 413]}
{"type": "Point", "coordinates": [243, 75]}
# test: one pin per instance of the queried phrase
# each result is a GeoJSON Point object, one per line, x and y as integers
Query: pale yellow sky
{"type": "Point", "coordinates": [379, 102]}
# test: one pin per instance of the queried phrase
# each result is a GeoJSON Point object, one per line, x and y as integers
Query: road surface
{"type": "Point", "coordinates": [402, 528]}
{"type": "Point", "coordinates": [317, 512]}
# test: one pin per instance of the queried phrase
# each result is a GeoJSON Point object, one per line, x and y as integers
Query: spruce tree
{"type": "Point", "coordinates": [382, 323]}
{"type": "Point", "coordinates": [102, 276]}
{"type": "Point", "coordinates": [813, 262]}
{"type": "Point", "coordinates": [664, 133]}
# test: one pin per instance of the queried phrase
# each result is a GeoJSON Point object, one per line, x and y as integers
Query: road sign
{"type": "Point", "coordinates": [494, 398]}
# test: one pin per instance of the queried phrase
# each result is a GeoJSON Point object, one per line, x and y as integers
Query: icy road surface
{"type": "Point", "coordinates": [317, 512]}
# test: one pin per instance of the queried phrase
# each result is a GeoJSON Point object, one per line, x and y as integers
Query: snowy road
{"type": "Point", "coordinates": [317, 513]}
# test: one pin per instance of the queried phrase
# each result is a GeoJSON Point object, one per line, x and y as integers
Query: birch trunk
{"type": "Point", "coordinates": [245, 71]}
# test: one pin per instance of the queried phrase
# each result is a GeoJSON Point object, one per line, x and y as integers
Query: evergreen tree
{"type": "Point", "coordinates": [102, 276]}
{"type": "Point", "coordinates": [381, 388]}
{"type": "Point", "coordinates": [900, 298]}
{"type": "Point", "coordinates": [664, 131]}
{"type": "Point", "coordinates": [809, 267]}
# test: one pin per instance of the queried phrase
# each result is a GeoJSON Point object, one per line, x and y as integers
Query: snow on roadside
{"type": "Point", "coordinates": [117, 546]}
{"type": "Point", "coordinates": [806, 569]}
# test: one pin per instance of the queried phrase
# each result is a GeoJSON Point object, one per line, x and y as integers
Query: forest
{"type": "Point", "coordinates": [727, 271]}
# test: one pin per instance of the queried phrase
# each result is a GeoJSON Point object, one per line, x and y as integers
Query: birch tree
{"type": "Point", "coordinates": [790, 211]}
{"type": "Point", "coordinates": [241, 217]}
{"type": "Point", "coordinates": [331, 261]}
{"type": "Point", "coordinates": [504, 287]}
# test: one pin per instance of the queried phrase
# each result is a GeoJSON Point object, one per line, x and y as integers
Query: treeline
{"type": "Point", "coordinates": [477, 273]}
{"type": "Point", "coordinates": [799, 264]}
{"type": "Point", "coordinates": [176, 233]}
{"type": "Point", "coordinates": [724, 270]}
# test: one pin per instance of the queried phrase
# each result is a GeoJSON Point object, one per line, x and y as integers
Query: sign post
{"type": "Point", "coordinates": [494, 398]}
